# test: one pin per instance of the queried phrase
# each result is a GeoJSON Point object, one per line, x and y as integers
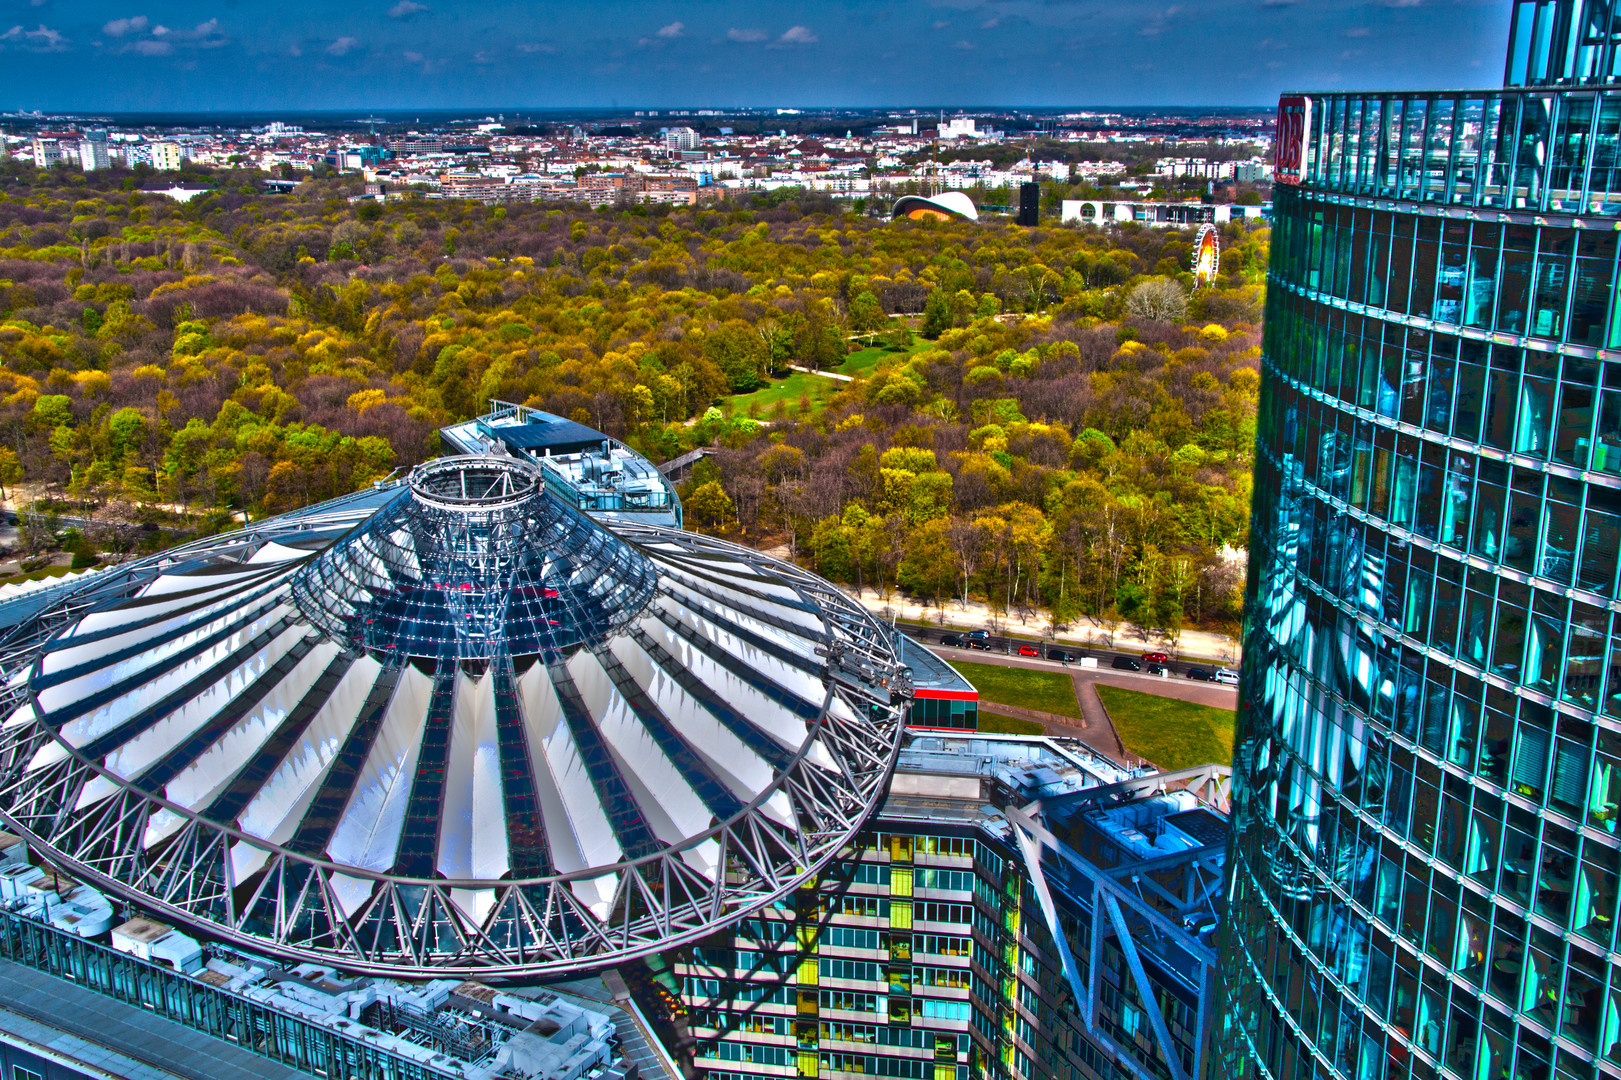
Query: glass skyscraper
{"type": "Point", "coordinates": [1423, 877]}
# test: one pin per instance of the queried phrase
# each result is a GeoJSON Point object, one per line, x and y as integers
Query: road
{"type": "Point", "coordinates": [1004, 651]}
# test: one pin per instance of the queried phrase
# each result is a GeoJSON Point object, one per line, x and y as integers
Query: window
{"type": "Point", "coordinates": [20, 1073]}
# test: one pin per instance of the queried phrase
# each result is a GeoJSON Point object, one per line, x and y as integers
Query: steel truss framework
{"type": "Point", "coordinates": [1155, 907]}
{"type": "Point", "coordinates": [294, 904]}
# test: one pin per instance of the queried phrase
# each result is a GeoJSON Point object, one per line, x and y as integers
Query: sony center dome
{"type": "Point", "coordinates": [448, 726]}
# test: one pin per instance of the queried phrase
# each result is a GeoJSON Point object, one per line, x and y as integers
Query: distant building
{"type": "Point", "coordinates": [1163, 215]}
{"type": "Point", "coordinates": [47, 152]}
{"type": "Point", "coordinates": [943, 207]}
{"type": "Point", "coordinates": [1029, 204]}
{"type": "Point", "coordinates": [681, 138]}
{"type": "Point", "coordinates": [166, 156]}
{"type": "Point", "coordinates": [93, 151]}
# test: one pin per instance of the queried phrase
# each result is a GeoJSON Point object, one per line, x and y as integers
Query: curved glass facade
{"type": "Point", "coordinates": [1423, 880]}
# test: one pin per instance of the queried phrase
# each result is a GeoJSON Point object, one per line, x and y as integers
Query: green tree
{"type": "Point", "coordinates": [937, 314]}
{"type": "Point", "coordinates": [709, 507]}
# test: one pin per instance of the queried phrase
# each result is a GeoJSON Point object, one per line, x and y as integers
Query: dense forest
{"type": "Point", "coordinates": [1048, 418]}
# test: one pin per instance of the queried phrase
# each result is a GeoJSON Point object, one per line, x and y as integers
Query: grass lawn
{"type": "Point", "coordinates": [1172, 734]}
{"type": "Point", "coordinates": [1008, 725]}
{"type": "Point", "coordinates": [36, 575]}
{"type": "Point", "coordinates": [1044, 691]}
{"type": "Point", "coordinates": [863, 361]}
{"type": "Point", "coordinates": [799, 384]}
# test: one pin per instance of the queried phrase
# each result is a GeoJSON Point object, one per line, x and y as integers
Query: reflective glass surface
{"type": "Point", "coordinates": [1423, 880]}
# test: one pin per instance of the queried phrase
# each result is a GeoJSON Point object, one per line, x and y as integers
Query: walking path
{"type": "Point", "coordinates": [1193, 644]}
{"type": "Point", "coordinates": [829, 374]}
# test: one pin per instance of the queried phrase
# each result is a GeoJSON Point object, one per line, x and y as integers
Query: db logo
{"type": "Point", "coordinates": [1289, 145]}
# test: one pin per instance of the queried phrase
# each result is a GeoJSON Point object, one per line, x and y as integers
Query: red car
{"type": "Point", "coordinates": [1029, 650]}
{"type": "Point", "coordinates": [1155, 657]}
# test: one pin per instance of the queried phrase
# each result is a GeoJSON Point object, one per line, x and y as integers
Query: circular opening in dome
{"type": "Point", "coordinates": [474, 483]}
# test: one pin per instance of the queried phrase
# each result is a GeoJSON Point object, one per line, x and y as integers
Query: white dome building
{"type": "Point", "coordinates": [448, 727]}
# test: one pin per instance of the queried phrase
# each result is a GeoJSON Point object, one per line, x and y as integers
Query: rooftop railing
{"type": "Point", "coordinates": [1531, 150]}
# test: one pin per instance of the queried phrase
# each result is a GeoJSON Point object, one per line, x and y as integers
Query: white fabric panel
{"type": "Point", "coordinates": [672, 809]}
{"type": "Point", "coordinates": [803, 685]}
{"type": "Point", "coordinates": [138, 754]}
{"type": "Point", "coordinates": [476, 904]}
{"type": "Point", "coordinates": [351, 893]}
{"type": "Point", "coordinates": [160, 826]}
{"type": "Point", "coordinates": [780, 599]}
{"type": "Point", "coordinates": [23, 714]}
{"type": "Point", "coordinates": [273, 552]}
{"type": "Point", "coordinates": [274, 813]}
{"type": "Point", "coordinates": [765, 714]}
{"type": "Point", "coordinates": [472, 822]}
{"type": "Point", "coordinates": [803, 645]}
{"type": "Point", "coordinates": [577, 829]}
{"type": "Point", "coordinates": [596, 893]}
{"type": "Point", "coordinates": [97, 788]}
{"type": "Point", "coordinates": [135, 610]}
{"type": "Point", "coordinates": [122, 709]}
{"type": "Point", "coordinates": [731, 760]}
{"type": "Point", "coordinates": [229, 602]}
{"type": "Point", "coordinates": [168, 584]}
{"type": "Point", "coordinates": [368, 831]}
{"type": "Point", "coordinates": [246, 860]}
{"type": "Point", "coordinates": [202, 780]}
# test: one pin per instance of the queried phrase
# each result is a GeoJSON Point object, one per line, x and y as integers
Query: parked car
{"type": "Point", "coordinates": [981, 634]}
{"type": "Point", "coordinates": [1125, 663]}
{"type": "Point", "coordinates": [979, 643]}
{"type": "Point", "coordinates": [1199, 674]}
{"type": "Point", "coordinates": [954, 640]}
{"type": "Point", "coordinates": [1060, 654]}
{"type": "Point", "coordinates": [1029, 650]}
{"type": "Point", "coordinates": [1153, 669]}
{"type": "Point", "coordinates": [1154, 658]}
{"type": "Point", "coordinates": [1227, 675]}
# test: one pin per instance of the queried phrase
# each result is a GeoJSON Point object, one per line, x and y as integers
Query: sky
{"type": "Point", "coordinates": [379, 55]}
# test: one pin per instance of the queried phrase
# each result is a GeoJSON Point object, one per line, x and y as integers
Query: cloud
{"type": "Point", "coordinates": [746, 35]}
{"type": "Point", "coordinates": [119, 27]}
{"type": "Point", "coordinates": [941, 24]}
{"type": "Point", "coordinates": [1160, 21]}
{"type": "Point", "coordinates": [991, 23]}
{"type": "Point", "coordinates": [343, 46]}
{"type": "Point", "coordinates": [1358, 31]}
{"type": "Point", "coordinates": [148, 47]}
{"type": "Point", "coordinates": [964, 46]}
{"type": "Point", "coordinates": [1279, 3]}
{"type": "Point", "coordinates": [41, 39]}
{"type": "Point", "coordinates": [537, 47]}
{"type": "Point", "coordinates": [798, 35]}
{"type": "Point", "coordinates": [405, 9]}
{"type": "Point", "coordinates": [674, 30]}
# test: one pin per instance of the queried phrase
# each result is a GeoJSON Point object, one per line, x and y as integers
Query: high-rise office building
{"type": "Point", "coordinates": [1423, 874]}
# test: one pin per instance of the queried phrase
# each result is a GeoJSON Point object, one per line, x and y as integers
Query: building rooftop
{"type": "Point", "coordinates": [599, 475]}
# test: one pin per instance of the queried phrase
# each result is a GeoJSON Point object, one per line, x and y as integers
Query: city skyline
{"type": "Point", "coordinates": [432, 54]}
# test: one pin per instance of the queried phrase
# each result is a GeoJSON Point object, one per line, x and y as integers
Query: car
{"type": "Point", "coordinates": [979, 643]}
{"type": "Point", "coordinates": [1060, 654]}
{"type": "Point", "coordinates": [954, 640]}
{"type": "Point", "coordinates": [1227, 675]}
{"type": "Point", "coordinates": [981, 634]}
{"type": "Point", "coordinates": [1199, 674]}
{"type": "Point", "coordinates": [1153, 669]}
{"type": "Point", "coordinates": [1125, 663]}
{"type": "Point", "coordinates": [1029, 650]}
{"type": "Point", "coordinates": [1154, 658]}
